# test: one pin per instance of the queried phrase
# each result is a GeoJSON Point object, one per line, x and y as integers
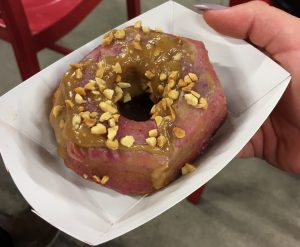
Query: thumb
{"type": "Point", "coordinates": [265, 26]}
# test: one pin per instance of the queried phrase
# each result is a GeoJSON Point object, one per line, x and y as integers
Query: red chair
{"type": "Point", "coordinates": [32, 25]}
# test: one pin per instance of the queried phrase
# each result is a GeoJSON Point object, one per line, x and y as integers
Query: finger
{"type": "Point", "coordinates": [265, 26]}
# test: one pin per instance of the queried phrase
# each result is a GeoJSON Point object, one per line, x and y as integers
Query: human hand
{"type": "Point", "coordinates": [278, 34]}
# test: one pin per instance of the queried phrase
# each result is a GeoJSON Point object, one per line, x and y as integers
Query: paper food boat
{"type": "Point", "coordinates": [253, 84]}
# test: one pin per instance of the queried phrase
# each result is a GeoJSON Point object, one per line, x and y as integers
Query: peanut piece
{"type": "Point", "coordinates": [117, 68]}
{"type": "Point", "coordinates": [99, 129]}
{"type": "Point", "coordinates": [173, 94]}
{"type": "Point", "coordinates": [187, 168]}
{"type": "Point", "coordinates": [191, 99]}
{"type": "Point", "coordinates": [151, 141]}
{"type": "Point", "coordinates": [112, 132]}
{"type": "Point", "coordinates": [149, 74]}
{"type": "Point", "coordinates": [178, 132]}
{"type": "Point", "coordinates": [57, 110]}
{"type": "Point", "coordinates": [108, 93]}
{"type": "Point", "coordinates": [138, 24]}
{"type": "Point", "coordinates": [120, 34]}
{"type": "Point", "coordinates": [153, 133]}
{"type": "Point", "coordinates": [127, 141]}
{"type": "Point", "coordinates": [112, 144]}
{"type": "Point", "coordinates": [161, 141]}
{"type": "Point", "coordinates": [105, 116]}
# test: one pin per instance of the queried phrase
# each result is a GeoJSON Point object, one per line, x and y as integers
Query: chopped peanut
{"type": "Point", "coordinates": [111, 122]}
{"type": "Point", "coordinates": [202, 104]}
{"type": "Point", "coordinates": [112, 132]}
{"type": "Point", "coordinates": [117, 68]}
{"type": "Point", "coordinates": [80, 90]}
{"type": "Point", "coordinates": [116, 117]}
{"type": "Point", "coordinates": [85, 176]}
{"type": "Point", "coordinates": [189, 87]}
{"type": "Point", "coordinates": [163, 76]}
{"type": "Point", "coordinates": [126, 98]}
{"type": "Point", "coordinates": [76, 121]}
{"type": "Point", "coordinates": [137, 38]}
{"type": "Point", "coordinates": [99, 129]}
{"type": "Point", "coordinates": [101, 84]}
{"type": "Point", "coordinates": [124, 85]}
{"type": "Point", "coordinates": [78, 74]}
{"type": "Point", "coordinates": [96, 179]}
{"type": "Point", "coordinates": [160, 88]}
{"type": "Point", "coordinates": [104, 180]}
{"type": "Point", "coordinates": [195, 94]}
{"type": "Point", "coordinates": [90, 122]}
{"type": "Point", "coordinates": [104, 106]}
{"type": "Point", "coordinates": [90, 85]}
{"type": "Point", "coordinates": [173, 75]}
{"type": "Point", "coordinates": [105, 116]}
{"type": "Point", "coordinates": [94, 114]}
{"type": "Point", "coordinates": [173, 94]}
{"type": "Point", "coordinates": [161, 141]}
{"type": "Point", "coordinates": [193, 77]}
{"type": "Point", "coordinates": [187, 79]}
{"type": "Point", "coordinates": [119, 93]}
{"type": "Point", "coordinates": [153, 133]}
{"type": "Point", "coordinates": [120, 34]}
{"type": "Point", "coordinates": [112, 144]}
{"type": "Point", "coordinates": [151, 141]}
{"type": "Point", "coordinates": [177, 56]}
{"type": "Point", "coordinates": [158, 120]}
{"type": "Point", "coordinates": [108, 38]}
{"type": "Point", "coordinates": [80, 108]}
{"type": "Point", "coordinates": [153, 108]}
{"type": "Point", "coordinates": [182, 83]}
{"type": "Point", "coordinates": [178, 132]}
{"type": "Point", "coordinates": [149, 74]}
{"type": "Point", "coordinates": [57, 110]}
{"type": "Point", "coordinates": [145, 29]}
{"type": "Point", "coordinates": [187, 168]}
{"type": "Point", "coordinates": [191, 99]}
{"type": "Point", "coordinates": [127, 141]}
{"type": "Point", "coordinates": [137, 45]}
{"type": "Point", "coordinates": [100, 72]}
{"type": "Point", "coordinates": [108, 93]}
{"type": "Point", "coordinates": [171, 83]}
{"type": "Point", "coordinates": [138, 24]}
{"type": "Point", "coordinates": [85, 114]}
{"type": "Point", "coordinates": [78, 99]}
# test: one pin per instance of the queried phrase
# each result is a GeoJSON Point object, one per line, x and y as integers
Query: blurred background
{"type": "Point", "coordinates": [249, 203]}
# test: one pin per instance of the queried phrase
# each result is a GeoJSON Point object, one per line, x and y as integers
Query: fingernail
{"type": "Point", "coordinates": [209, 6]}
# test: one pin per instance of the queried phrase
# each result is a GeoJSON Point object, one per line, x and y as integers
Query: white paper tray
{"type": "Point", "coordinates": [253, 84]}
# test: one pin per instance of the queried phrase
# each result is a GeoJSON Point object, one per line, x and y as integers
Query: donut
{"type": "Point", "coordinates": [136, 111]}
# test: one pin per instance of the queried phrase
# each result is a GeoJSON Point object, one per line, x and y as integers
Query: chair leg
{"type": "Point", "coordinates": [196, 195]}
{"type": "Point", "coordinates": [60, 49]}
{"type": "Point", "coordinates": [27, 60]}
{"type": "Point", "coordinates": [133, 8]}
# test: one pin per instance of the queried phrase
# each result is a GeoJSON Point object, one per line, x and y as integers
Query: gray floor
{"type": "Point", "coordinates": [248, 204]}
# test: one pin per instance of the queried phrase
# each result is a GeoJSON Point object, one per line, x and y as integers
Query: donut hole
{"type": "Point", "coordinates": [138, 109]}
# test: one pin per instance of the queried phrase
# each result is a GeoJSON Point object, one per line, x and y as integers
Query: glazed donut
{"type": "Point", "coordinates": [137, 110]}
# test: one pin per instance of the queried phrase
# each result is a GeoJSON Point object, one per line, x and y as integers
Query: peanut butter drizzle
{"type": "Point", "coordinates": [138, 53]}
